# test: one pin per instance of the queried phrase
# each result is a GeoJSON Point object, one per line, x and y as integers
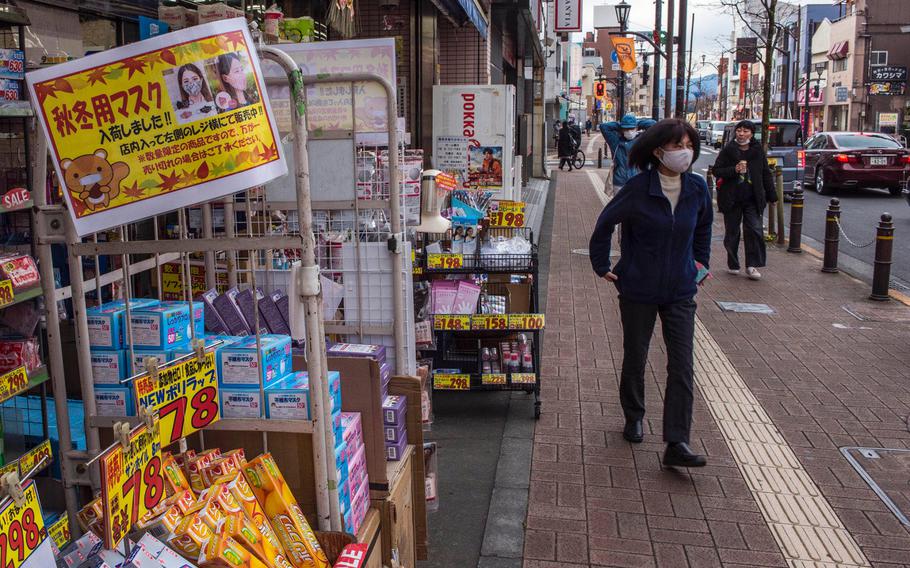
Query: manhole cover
{"type": "Point", "coordinates": [743, 308]}
{"type": "Point", "coordinates": [890, 312]}
{"type": "Point", "coordinates": [885, 470]}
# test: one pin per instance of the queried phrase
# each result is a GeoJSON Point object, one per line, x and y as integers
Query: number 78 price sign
{"type": "Point", "coordinates": [185, 396]}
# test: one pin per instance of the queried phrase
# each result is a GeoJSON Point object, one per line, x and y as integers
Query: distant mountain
{"type": "Point", "coordinates": [706, 85]}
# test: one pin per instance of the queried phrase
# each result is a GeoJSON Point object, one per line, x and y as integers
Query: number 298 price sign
{"type": "Point", "coordinates": [132, 482]}
{"type": "Point", "coordinates": [21, 529]}
{"type": "Point", "coordinates": [185, 397]}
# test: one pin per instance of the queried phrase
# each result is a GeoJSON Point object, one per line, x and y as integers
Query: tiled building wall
{"type": "Point", "coordinates": [464, 56]}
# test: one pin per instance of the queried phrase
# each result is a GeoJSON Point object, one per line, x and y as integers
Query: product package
{"type": "Point", "coordinates": [138, 364]}
{"type": "Point", "coordinates": [466, 298]}
{"type": "Point", "coordinates": [109, 367]}
{"type": "Point", "coordinates": [15, 353]}
{"type": "Point", "coordinates": [106, 323]}
{"type": "Point", "coordinates": [166, 325]}
{"type": "Point", "coordinates": [247, 306]}
{"type": "Point", "coordinates": [230, 313]}
{"type": "Point", "coordinates": [238, 365]}
{"type": "Point", "coordinates": [114, 401]}
{"type": "Point", "coordinates": [240, 402]}
{"type": "Point", "coordinates": [213, 321]}
{"type": "Point", "coordinates": [20, 270]}
{"type": "Point", "coordinates": [394, 408]}
{"type": "Point", "coordinates": [394, 452]}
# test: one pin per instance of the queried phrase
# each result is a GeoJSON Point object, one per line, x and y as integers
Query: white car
{"type": "Point", "coordinates": [716, 135]}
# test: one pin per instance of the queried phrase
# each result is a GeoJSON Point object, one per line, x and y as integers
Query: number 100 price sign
{"type": "Point", "coordinates": [185, 397]}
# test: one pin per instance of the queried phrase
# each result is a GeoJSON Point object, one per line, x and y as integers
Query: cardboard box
{"type": "Point", "coordinates": [114, 401]}
{"type": "Point", "coordinates": [240, 403]}
{"type": "Point", "coordinates": [109, 367]}
{"type": "Point", "coordinates": [239, 367]}
{"type": "Point", "coordinates": [166, 325]}
{"type": "Point", "coordinates": [289, 398]}
{"type": "Point", "coordinates": [106, 322]}
{"type": "Point", "coordinates": [394, 434]}
{"type": "Point", "coordinates": [138, 362]}
{"type": "Point", "coordinates": [243, 493]}
{"type": "Point", "coordinates": [191, 535]}
{"type": "Point", "coordinates": [394, 409]}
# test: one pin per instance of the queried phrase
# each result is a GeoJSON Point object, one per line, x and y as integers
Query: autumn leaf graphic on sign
{"type": "Point", "coordinates": [133, 191]}
{"type": "Point", "coordinates": [134, 65]}
{"type": "Point", "coordinates": [49, 89]}
{"type": "Point", "coordinates": [203, 171]}
{"type": "Point", "coordinates": [97, 76]}
{"type": "Point", "coordinates": [267, 153]}
{"type": "Point", "coordinates": [167, 56]}
{"type": "Point", "coordinates": [232, 41]}
{"type": "Point", "coordinates": [169, 182]}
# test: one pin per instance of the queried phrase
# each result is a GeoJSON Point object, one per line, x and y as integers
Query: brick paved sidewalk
{"type": "Point", "coordinates": [791, 388]}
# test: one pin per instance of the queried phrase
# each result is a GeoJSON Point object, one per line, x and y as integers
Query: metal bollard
{"type": "Point", "coordinates": [779, 186]}
{"type": "Point", "coordinates": [772, 224]}
{"type": "Point", "coordinates": [832, 236]}
{"type": "Point", "coordinates": [796, 220]}
{"type": "Point", "coordinates": [712, 183]}
{"type": "Point", "coordinates": [600, 158]}
{"type": "Point", "coordinates": [884, 245]}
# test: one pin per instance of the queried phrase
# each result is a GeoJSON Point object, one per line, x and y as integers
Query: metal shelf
{"type": "Point", "coordinates": [226, 424]}
{"type": "Point", "coordinates": [476, 383]}
{"type": "Point", "coordinates": [35, 378]}
{"type": "Point", "coordinates": [29, 294]}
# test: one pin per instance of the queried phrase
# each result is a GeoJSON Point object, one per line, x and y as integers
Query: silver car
{"type": "Point", "coordinates": [716, 134]}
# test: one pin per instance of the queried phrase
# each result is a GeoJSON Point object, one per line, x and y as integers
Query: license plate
{"type": "Point", "coordinates": [878, 161]}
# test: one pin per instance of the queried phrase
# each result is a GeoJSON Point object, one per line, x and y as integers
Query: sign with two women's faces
{"type": "Point", "coordinates": [168, 122]}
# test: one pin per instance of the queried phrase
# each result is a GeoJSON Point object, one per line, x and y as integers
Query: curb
{"type": "Point", "coordinates": [894, 294]}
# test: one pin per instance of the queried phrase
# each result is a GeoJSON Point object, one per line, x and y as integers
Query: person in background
{"type": "Point", "coordinates": [588, 127]}
{"type": "Point", "coordinates": [666, 215]}
{"type": "Point", "coordinates": [619, 137]}
{"type": "Point", "coordinates": [566, 146]}
{"type": "Point", "coordinates": [576, 130]}
{"type": "Point", "coordinates": [744, 186]}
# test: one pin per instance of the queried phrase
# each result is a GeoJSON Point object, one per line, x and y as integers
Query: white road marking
{"type": "Point", "coordinates": [591, 141]}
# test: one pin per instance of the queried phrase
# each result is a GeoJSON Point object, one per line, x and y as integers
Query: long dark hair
{"type": "Point", "coordinates": [184, 96]}
{"type": "Point", "coordinates": [667, 131]}
{"type": "Point", "coordinates": [224, 68]}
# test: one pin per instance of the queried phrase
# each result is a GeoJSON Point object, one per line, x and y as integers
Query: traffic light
{"type": "Point", "coordinates": [815, 91]}
{"type": "Point", "coordinates": [600, 89]}
{"type": "Point", "coordinates": [645, 72]}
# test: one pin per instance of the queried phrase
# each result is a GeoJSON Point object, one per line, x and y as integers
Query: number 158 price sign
{"type": "Point", "coordinates": [131, 482]}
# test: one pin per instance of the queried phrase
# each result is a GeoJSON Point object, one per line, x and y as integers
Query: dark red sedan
{"type": "Point", "coordinates": [840, 160]}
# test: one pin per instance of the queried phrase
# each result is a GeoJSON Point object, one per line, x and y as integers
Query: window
{"type": "Point", "coordinates": [590, 52]}
{"type": "Point", "coordinates": [878, 58]}
{"type": "Point", "coordinates": [839, 65]}
{"type": "Point", "coordinates": [854, 141]}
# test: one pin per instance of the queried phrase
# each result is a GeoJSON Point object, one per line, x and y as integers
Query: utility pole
{"type": "Point", "coordinates": [655, 76]}
{"type": "Point", "coordinates": [689, 72]}
{"type": "Point", "coordinates": [622, 79]}
{"type": "Point", "coordinates": [668, 84]}
{"type": "Point", "coordinates": [681, 60]}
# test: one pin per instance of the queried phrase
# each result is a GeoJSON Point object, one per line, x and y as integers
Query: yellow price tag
{"type": "Point", "coordinates": [60, 531]}
{"type": "Point", "coordinates": [508, 214]}
{"type": "Point", "coordinates": [524, 378]}
{"type": "Point", "coordinates": [415, 269]}
{"type": "Point", "coordinates": [132, 483]}
{"type": "Point", "coordinates": [490, 322]}
{"type": "Point", "coordinates": [451, 322]}
{"type": "Point", "coordinates": [6, 292]}
{"type": "Point", "coordinates": [450, 381]}
{"type": "Point", "coordinates": [526, 321]}
{"type": "Point", "coordinates": [21, 529]}
{"type": "Point", "coordinates": [444, 261]}
{"type": "Point", "coordinates": [33, 457]}
{"type": "Point", "coordinates": [493, 378]}
{"type": "Point", "coordinates": [12, 383]}
{"type": "Point", "coordinates": [185, 397]}
{"type": "Point", "coordinates": [772, 162]}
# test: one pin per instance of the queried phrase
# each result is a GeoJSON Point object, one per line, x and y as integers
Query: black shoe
{"type": "Point", "coordinates": [633, 431]}
{"type": "Point", "coordinates": [679, 454]}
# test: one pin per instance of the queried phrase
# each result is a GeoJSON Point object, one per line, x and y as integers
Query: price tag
{"type": "Point", "coordinates": [34, 456]}
{"type": "Point", "coordinates": [12, 383]}
{"type": "Point", "coordinates": [6, 292]}
{"type": "Point", "coordinates": [493, 378]}
{"type": "Point", "coordinates": [21, 529]}
{"type": "Point", "coordinates": [451, 322]}
{"type": "Point", "coordinates": [185, 397]}
{"type": "Point", "coordinates": [415, 268]}
{"type": "Point", "coordinates": [9, 468]}
{"type": "Point", "coordinates": [489, 321]}
{"type": "Point", "coordinates": [60, 531]}
{"type": "Point", "coordinates": [450, 381]}
{"type": "Point", "coordinates": [524, 378]}
{"type": "Point", "coordinates": [508, 214]}
{"type": "Point", "coordinates": [526, 321]}
{"type": "Point", "coordinates": [132, 483]}
{"type": "Point", "coordinates": [444, 261]}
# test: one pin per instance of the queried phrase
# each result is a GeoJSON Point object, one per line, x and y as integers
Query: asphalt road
{"type": "Point", "coordinates": [860, 213]}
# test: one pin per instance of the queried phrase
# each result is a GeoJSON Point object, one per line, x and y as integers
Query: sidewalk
{"type": "Point", "coordinates": [778, 396]}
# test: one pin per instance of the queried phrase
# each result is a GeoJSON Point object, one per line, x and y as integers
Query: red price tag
{"type": "Point", "coordinates": [21, 529]}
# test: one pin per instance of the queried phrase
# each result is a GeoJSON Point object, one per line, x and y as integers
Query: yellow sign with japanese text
{"type": "Point", "coordinates": [132, 483]}
{"type": "Point", "coordinates": [21, 529]}
{"type": "Point", "coordinates": [185, 397]}
{"type": "Point", "coordinates": [60, 531]}
{"type": "Point", "coordinates": [6, 292]}
{"type": "Point", "coordinates": [12, 383]}
{"type": "Point", "coordinates": [39, 456]}
{"type": "Point", "coordinates": [156, 125]}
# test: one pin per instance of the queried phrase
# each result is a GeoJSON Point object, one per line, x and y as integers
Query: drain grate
{"type": "Point", "coordinates": [744, 308]}
{"type": "Point", "coordinates": [885, 470]}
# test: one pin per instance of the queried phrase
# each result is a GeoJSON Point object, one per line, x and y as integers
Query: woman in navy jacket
{"type": "Point", "coordinates": [665, 215]}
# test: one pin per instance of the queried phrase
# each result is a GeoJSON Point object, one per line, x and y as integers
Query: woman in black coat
{"type": "Point", "coordinates": [744, 187]}
{"type": "Point", "coordinates": [566, 146]}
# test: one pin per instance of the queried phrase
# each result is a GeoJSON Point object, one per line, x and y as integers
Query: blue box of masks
{"type": "Point", "coordinates": [166, 325]}
{"type": "Point", "coordinates": [239, 367]}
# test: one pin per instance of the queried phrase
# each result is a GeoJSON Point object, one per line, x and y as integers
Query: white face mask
{"type": "Point", "coordinates": [628, 134]}
{"type": "Point", "coordinates": [743, 141]}
{"type": "Point", "coordinates": [677, 160]}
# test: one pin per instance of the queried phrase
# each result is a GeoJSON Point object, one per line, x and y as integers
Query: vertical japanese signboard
{"type": "Point", "coordinates": [568, 16]}
{"type": "Point", "coordinates": [168, 122]}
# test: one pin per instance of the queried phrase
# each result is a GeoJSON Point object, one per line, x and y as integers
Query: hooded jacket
{"type": "Point", "coordinates": [659, 244]}
{"type": "Point", "coordinates": [619, 148]}
{"type": "Point", "coordinates": [759, 172]}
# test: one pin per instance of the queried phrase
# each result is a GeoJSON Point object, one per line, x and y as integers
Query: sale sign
{"type": "Point", "coordinates": [21, 529]}
{"type": "Point", "coordinates": [185, 395]}
{"type": "Point", "coordinates": [39, 456]}
{"type": "Point", "coordinates": [12, 383]}
{"type": "Point", "coordinates": [507, 214]}
{"type": "Point", "coordinates": [60, 531]}
{"type": "Point", "coordinates": [131, 482]}
{"type": "Point", "coordinates": [6, 293]}
{"type": "Point", "coordinates": [168, 122]}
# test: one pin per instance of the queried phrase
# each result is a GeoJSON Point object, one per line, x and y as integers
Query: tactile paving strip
{"type": "Point", "coordinates": [806, 528]}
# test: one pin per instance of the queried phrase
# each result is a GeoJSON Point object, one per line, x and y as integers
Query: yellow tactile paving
{"type": "Point", "coordinates": [806, 527]}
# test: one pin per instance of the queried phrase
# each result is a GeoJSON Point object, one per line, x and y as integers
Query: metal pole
{"type": "Point", "coordinates": [208, 232]}
{"type": "Point", "coordinates": [622, 81]}
{"type": "Point", "coordinates": [796, 220]}
{"type": "Point", "coordinates": [808, 80]}
{"type": "Point", "coordinates": [689, 71]}
{"type": "Point", "coordinates": [655, 87]}
{"type": "Point", "coordinates": [884, 244]}
{"type": "Point", "coordinates": [681, 60]}
{"type": "Point", "coordinates": [230, 232]}
{"type": "Point", "coordinates": [772, 224]}
{"type": "Point", "coordinates": [779, 184]}
{"type": "Point", "coordinates": [600, 158]}
{"type": "Point", "coordinates": [832, 236]}
{"type": "Point", "coordinates": [712, 183]}
{"type": "Point", "coordinates": [668, 83]}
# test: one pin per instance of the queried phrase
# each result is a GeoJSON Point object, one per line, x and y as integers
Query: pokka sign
{"type": "Point", "coordinates": [164, 123]}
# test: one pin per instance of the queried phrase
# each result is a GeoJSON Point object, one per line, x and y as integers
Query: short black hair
{"type": "Point", "coordinates": [667, 131]}
{"type": "Point", "coordinates": [747, 124]}
{"type": "Point", "coordinates": [488, 150]}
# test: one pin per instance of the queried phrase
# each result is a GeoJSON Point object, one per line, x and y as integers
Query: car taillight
{"type": "Point", "coordinates": [801, 158]}
{"type": "Point", "coordinates": [905, 159]}
{"type": "Point", "coordinates": [842, 158]}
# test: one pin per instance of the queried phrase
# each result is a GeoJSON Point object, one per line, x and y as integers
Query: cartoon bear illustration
{"type": "Point", "coordinates": [93, 179]}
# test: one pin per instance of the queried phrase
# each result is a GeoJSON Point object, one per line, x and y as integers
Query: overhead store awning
{"type": "Point", "coordinates": [839, 50]}
{"type": "Point", "coordinates": [463, 11]}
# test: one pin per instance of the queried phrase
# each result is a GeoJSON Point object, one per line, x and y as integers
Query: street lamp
{"type": "Point", "coordinates": [622, 15]}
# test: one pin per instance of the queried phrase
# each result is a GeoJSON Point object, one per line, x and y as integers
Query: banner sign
{"type": "Point", "coordinates": [185, 397]}
{"type": "Point", "coordinates": [156, 125]}
{"type": "Point", "coordinates": [625, 53]}
{"type": "Point", "coordinates": [60, 531]}
{"type": "Point", "coordinates": [897, 73]}
{"type": "Point", "coordinates": [743, 81]}
{"type": "Point", "coordinates": [12, 64]}
{"type": "Point", "coordinates": [22, 529]}
{"type": "Point", "coordinates": [131, 482]}
{"type": "Point", "coordinates": [568, 16]}
{"type": "Point", "coordinates": [887, 88]}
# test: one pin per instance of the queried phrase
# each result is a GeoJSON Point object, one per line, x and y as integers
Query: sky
{"type": "Point", "coordinates": [712, 24]}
